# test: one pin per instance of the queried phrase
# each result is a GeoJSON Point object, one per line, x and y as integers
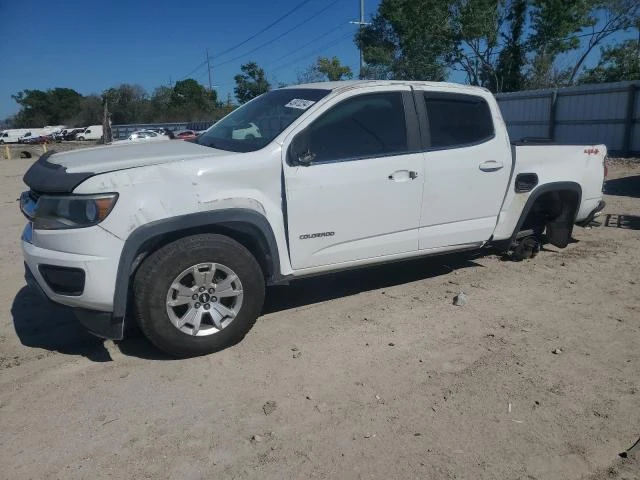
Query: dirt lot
{"type": "Point", "coordinates": [366, 374]}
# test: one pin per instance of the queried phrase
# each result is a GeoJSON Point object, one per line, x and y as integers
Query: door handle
{"type": "Point", "coordinates": [490, 166]}
{"type": "Point", "coordinates": [403, 175]}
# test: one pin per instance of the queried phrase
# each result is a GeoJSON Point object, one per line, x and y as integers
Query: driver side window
{"type": "Point", "coordinates": [365, 126]}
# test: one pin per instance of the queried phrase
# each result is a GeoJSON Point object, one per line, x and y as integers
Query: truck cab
{"type": "Point", "coordinates": [183, 237]}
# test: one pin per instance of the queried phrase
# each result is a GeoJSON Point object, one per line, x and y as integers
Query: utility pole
{"type": "Point", "coordinates": [209, 70]}
{"type": "Point", "coordinates": [361, 24]}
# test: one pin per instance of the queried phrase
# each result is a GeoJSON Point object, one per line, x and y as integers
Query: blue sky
{"type": "Point", "coordinates": [80, 45]}
{"type": "Point", "coordinates": [90, 45]}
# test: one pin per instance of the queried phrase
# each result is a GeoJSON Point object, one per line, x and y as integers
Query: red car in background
{"type": "Point", "coordinates": [186, 135]}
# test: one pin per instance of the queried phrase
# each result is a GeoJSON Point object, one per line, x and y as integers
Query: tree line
{"type": "Point", "coordinates": [185, 101]}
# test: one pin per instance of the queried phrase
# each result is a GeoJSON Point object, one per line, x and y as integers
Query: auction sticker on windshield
{"type": "Point", "coordinates": [300, 103]}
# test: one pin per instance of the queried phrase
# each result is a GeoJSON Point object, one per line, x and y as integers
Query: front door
{"type": "Point", "coordinates": [357, 195]}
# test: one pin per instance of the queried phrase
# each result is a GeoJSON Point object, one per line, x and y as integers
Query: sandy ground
{"type": "Point", "coordinates": [366, 374]}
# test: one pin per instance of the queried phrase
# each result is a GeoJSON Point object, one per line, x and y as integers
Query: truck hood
{"type": "Point", "coordinates": [62, 172]}
{"type": "Point", "coordinates": [120, 156]}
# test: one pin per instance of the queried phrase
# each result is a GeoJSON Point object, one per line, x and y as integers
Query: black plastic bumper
{"type": "Point", "coordinates": [100, 324]}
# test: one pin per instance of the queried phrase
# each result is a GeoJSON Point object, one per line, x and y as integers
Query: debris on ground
{"type": "Point", "coordinates": [635, 448]}
{"type": "Point", "coordinates": [556, 351]}
{"type": "Point", "coordinates": [460, 299]}
{"type": "Point", "coordinates": [269, 407]}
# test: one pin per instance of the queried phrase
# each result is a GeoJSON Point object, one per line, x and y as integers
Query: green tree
{"type": "Point", "coordinates": [191, 95]}
{"type": "Point", "coordinates": [617, 63]}
{"type": "Point", "coordinates": [325, 69]}
{"type": "Point", "coordinates": [250, 83]}
{"type": "Point", "coordinates": [333, 69]}
{"type": "Point", "coordinates": [90, 112]}
{"type": "Point", "coordinates": [617, 16]}
{"type": "Point", "coordinates": [127, 103]}
{"type": "Point", "coordinates": [310, 75]}
{"type": "Point", "coordinates": [509, 75]}
{"type": "Point", "coordinates": [407, 39]}
{"type": "Point", "coordinates": [160, 105]}
{"type": "Point", "coordinates": [51, 107]}
{"type": "Point", "coordinates": [561, 26]}
{"type": "Point", "coordinates": [475, 26]}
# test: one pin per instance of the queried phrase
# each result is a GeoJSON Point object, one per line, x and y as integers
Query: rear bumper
{"type": "Point", "coordinates": [592, 214]}
{"type": "Point", "coordinates": [99, 323]}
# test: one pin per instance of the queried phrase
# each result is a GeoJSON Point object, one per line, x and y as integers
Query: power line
{"type": "Point", "coordinates": [234, 47]}
{"type": "Point", "coordinates": [272, 24]}
{"type": "Point", "coordinates": [314, 40]}
{"type": "Point", "coordinates": [194, 70]}
{"type": "Point", "coordinates": [310, 54]}
{"type": "Point", "coordinates": [314, 52]}
{"type": "Point", "coordinates": [279, 36]}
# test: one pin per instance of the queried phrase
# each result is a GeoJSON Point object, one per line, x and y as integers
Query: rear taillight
{"type": "Point", "coordinates": [604, 166]}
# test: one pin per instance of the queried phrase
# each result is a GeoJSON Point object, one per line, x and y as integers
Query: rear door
{"type": "Point", "coordinates": [467, 168]}
{"type": "Point", "coordinates": [360, 196]}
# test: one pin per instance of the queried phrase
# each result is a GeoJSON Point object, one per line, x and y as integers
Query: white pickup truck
{"type": "Point", "coordinates": [184, 236]}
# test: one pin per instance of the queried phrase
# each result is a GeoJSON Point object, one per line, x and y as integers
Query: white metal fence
{"type": "Point", "coordinates": [606, 113]}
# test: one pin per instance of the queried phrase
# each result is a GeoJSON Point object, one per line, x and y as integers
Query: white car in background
{"type": "Point", "coordinates": [249, 132]}
{"type": "Point", "coordinates": [146, 136]}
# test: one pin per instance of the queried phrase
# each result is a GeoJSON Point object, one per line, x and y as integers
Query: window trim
{"type": "Point", "coordinates": [411, 123]}
{"type": "Point", "coordinates": [426, 123]}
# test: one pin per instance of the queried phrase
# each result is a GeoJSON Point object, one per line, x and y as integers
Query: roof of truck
{"type": "Point", "coordinates": [349, 84]}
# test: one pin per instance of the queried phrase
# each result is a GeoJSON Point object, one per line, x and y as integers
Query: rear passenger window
{"type": "Point", "coordinates": [456, 120]}
{"type": "Point", "coordinates": [370, 125]}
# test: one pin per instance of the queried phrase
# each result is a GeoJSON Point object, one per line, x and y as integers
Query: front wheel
{"type": "Point", "coordinates": [198, 295]}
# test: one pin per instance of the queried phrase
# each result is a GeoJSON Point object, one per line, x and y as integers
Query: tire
{"type": "Point", "coordinates": [528, 247]}
{"type": "Point", "coordinates": [154, 289]}
{"type": "Point", "coordinates": [81, 139]}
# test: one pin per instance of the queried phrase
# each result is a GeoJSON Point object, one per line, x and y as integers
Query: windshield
{"type": "Point", "coordinates": [257, 123]}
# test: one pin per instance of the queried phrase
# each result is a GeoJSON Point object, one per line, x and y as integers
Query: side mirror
{"type": "Point", "coordinates": [306, 158]}
{"type": "Point", "coordinates": [299, 151]}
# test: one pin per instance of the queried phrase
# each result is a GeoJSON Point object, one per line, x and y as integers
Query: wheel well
{"type": "Point", "coordinates": [553, 210]}
{"type": "Point", "coordinates": [549, 206]}
{"type": "Point", "coordinates": [245, 233]}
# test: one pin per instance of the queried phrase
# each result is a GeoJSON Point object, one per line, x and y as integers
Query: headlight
{"type": "Point", "coordinates": [74, 211]}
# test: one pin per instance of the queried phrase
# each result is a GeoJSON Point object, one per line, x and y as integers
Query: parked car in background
{"type": "Point", "coordinates": [12, 135]}
{"type": "Point", "coordinates": [31, 133]}
{"type": "Point", "coordinates": [92, 132]}
{"type": "Point", "coordinates": [162, 131]}
{"type": "Point", "coordinates": [247, 132]}
{"type": "Point", "coordinates": [186, 135]}
{"type": "Point", "coordinates": [38, 139]}
{"type": "Point", "coordinates": [72, 133]}
{"type": "Point", "coordinates": [145, 136]}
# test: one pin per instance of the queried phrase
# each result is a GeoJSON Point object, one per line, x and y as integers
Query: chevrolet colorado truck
{"type": "Point", "coordinates": [184, 236]}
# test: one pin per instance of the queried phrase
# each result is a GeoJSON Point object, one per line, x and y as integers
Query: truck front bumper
{"type": "Point", "coordinates": [81, 282]}
{"type": "Point", "coordinates": [101, 324]}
